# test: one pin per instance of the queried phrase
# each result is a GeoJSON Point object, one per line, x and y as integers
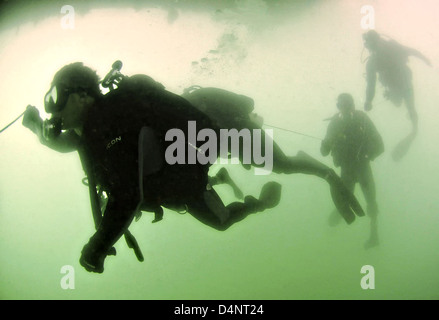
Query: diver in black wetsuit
{"type": "Point", "coordinates": [388, 59]}
{"type": "Point", "coordinates": [120, 140]}
{"type": "Point", "coordinates": [230, 110]}
{"type": "Point", "coordinates": [353, 141]}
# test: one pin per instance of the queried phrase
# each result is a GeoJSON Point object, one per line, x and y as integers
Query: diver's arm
{"type": "Point", "coordinates": [325, 147]}
{"type": "Point", "coordinates": [66, 142]}
{"type": "Point", "coordinates": [417, 54]}
{"type": "Point", "coordinates": [376, 144]}
{"type": "Point", "coordinates": [327, 143]}
{"type": "Point", "coordinates": [118, 215]}
{"type": "Point", "coordinates": [371, 84]}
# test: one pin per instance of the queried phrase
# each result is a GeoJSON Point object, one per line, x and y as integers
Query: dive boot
{"type": "Point", "coordinates": [270, 194]}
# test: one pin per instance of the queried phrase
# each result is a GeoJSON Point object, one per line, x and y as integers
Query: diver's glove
{"type": "Point", "coordinates": [92, 259]}
{"type": "Point", "coordinates": [32, 119]}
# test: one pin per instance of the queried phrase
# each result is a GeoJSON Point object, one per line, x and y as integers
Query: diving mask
{"type": "Point", "coordinates": [56, 98]}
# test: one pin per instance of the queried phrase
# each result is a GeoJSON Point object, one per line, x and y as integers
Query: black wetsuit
{"type": "Point", "coordinates": [354, 141]}
{"type": "Point", "coordinates": [112, 155]}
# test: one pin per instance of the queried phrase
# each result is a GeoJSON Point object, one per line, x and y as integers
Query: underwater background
{"type": "Point", "coordinates": [293, 58]}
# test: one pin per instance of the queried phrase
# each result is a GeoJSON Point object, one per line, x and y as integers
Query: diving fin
{"type": "Point", "coordinates": [342, 204]}
{"type": "Point", "coordinates": [403, 147]}
{"type": "Point", "coordinates": [344, 200]}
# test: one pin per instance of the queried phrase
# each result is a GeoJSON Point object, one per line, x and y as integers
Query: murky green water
{"type": "Point", "coordinates": [293, 60]}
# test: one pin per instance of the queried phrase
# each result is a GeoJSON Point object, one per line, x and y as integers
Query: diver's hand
{"type": "Point", "coordinates": [368, 106]}
{"type": "Point", "coordinates": [32, 119]}
{"type": "Point", "coordinates": [345, 202]}
{"type": "Point", "coordinates": [92, 260]}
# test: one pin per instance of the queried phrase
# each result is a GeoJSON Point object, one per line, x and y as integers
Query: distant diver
{"type": "Point", "coordinates": [389, 60]}
{"type": "Point", "coordinates": [120, 138]}
{"type": "Point", "coordinates": [353, 141]}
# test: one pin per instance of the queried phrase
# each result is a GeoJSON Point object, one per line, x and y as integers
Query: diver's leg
{"type": "Point", "coordinates": [349, 177]}
{"type": "Point", "coordinates": [209, 209]}
{"type": "Point", "coordinates": [302, 163]}
{"type": "Point", "coordinates": [223, 177]}
{"type": "Point", "coordinates": [367, 184]}
{"type": "Point", "coordinates": [404, 145]}
{"type": "Point", "coordinates": [344, 200]}
{"type": "Point", "coordinates": [409, 98]}
{"type": "Point", "coordinates": [281, 162]}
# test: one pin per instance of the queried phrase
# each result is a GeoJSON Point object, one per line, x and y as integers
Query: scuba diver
{"type": "Point", "coordinates": [121, 141]}
{"type": "Point", "coordinates": [353, 141]}
{"type": "Point", "coordinates": [231, 110]}
{"type": "Point", "coordinates": [120, 138]}
{"type": "Point", "coordinates": [389, 60]}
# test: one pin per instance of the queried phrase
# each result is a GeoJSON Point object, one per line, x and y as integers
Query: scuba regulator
{"type": "Point", "coordinates": [51, 128]}
{"type": "Point", "coordinates": [54, 101]}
